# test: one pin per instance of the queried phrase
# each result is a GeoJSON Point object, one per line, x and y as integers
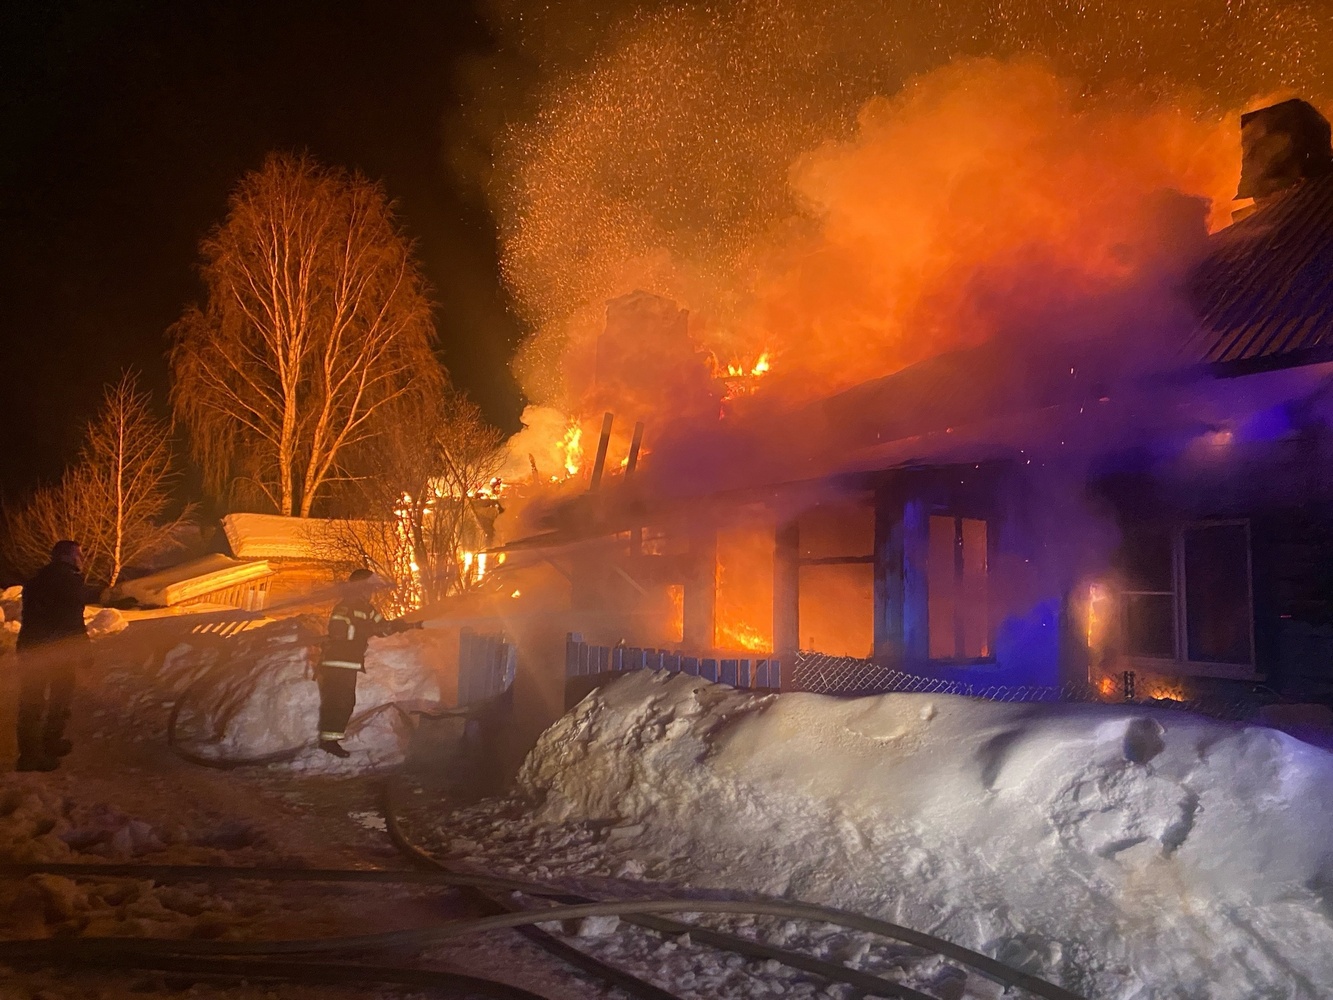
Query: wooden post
{"type": "Point", "coordinates": [635, 443]}
{"type": "Point", "coordinates": [787, 590]}
{"type": "Point", "coordinates": [701, 594]}
{"type": "Point", "coordinates": [916, 556]}
{"type": "Point", "coordinates": [603, 442]}
{"type": "Point", "coordinates": [636, 533]}
{"type": "Point", "coordinates": [888, 574]}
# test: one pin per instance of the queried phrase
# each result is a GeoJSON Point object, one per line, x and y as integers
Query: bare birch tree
{"type": "Point", "coordinates": [315, 321]}
{"type": "Point", "coordinates": [128, 466]}
{"type": "Point", "coordinates": [112, 501]}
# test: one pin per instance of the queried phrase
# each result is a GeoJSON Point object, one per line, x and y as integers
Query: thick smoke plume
{"type": "Point", "coordinates": [858, 186]}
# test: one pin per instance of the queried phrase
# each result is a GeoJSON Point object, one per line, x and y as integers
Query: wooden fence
{"type": "Point", "coordinates": [486, 666]}
{"type": "Point", "coordinates": [586, 660]}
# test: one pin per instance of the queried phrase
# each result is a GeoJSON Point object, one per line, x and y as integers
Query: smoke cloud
{"type": "Point", "coordinates": [858, 186]}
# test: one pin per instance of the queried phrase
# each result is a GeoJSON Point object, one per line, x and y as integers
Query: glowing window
{"type": "Point", "coordinates": [837, 579]}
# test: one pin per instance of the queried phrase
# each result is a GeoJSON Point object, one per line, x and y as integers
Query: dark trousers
{"type": "Point", "coordinates": [337, 698]}
{"type": "Point", "coordinates": [46, 686]}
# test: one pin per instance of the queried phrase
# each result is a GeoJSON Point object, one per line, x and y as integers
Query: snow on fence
{"type": "Point", "coordinates": [583, 659]}
{"type": "Point", "coordinates": [486, 665]}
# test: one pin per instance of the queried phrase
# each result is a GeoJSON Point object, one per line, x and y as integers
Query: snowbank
{"type": "Point", "coordinates": [11, 603]}
{"type": "Point", "coordinates": [101, 622]}
{"type": "Point", "coordinates": [1125, 853]}
{"type": "Point", "coordinates": [97, 620]}
{"type": "Point", "coordinates": [254, 694]}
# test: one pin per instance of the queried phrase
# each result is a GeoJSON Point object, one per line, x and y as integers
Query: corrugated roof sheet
{"type": "Point", "coordinates": [1264, 293]}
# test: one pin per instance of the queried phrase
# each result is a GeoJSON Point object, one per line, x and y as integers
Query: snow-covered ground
{"type": "Point", "coordinates": [123, 796]}
{"type": "Point", "coordinates": [1125, 853]}
{"type": "Point", "coordinates": [1121, 852]}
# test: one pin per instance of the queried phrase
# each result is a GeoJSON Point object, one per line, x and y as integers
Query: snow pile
{"type": "Point", "coordinates": [254, 694]}
{"type": "Point", "coordinates": [101, 622]}
{"type": "Point", "coordinates": [11, 603]}
{"type": "Point", "coordinates": [1122, 852]}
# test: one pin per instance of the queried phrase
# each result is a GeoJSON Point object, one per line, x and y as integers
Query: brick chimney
{"type": "Point", "coordinates": [1281, 146]}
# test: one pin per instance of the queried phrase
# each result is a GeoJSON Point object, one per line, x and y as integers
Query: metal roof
{"type": "Point", "coordinates": [1264, 293]}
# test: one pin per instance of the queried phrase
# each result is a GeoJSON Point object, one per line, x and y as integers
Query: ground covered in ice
{"type": "Point", "coordinates": [1123, 853]}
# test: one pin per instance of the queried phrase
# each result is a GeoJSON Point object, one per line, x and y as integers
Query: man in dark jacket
{"type": "Point", "coordinates": [52, 641]}
{"type": "Point", "coordinates": [351, 626]}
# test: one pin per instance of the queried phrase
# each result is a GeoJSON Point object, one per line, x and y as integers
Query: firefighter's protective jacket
{"type": "Point", "coordinates": [351, 626]}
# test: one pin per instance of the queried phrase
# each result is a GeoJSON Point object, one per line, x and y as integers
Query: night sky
{"type": "Point", "coordinates": [126, 124]}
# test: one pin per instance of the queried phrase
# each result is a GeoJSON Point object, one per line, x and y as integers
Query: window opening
{"type": "Point", "coordinates": [836, 578]}
{"type": "Point", "coordinates": [1187, 593]}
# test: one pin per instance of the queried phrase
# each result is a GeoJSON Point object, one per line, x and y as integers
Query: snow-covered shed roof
{"type": "Point", "coordinates": [272, 536]}
{"type": "Point", "coordinates": [193, 579]}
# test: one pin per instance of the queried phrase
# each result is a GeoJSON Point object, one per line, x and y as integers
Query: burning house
{"type": "Point", "coordinates": [1147, 508]}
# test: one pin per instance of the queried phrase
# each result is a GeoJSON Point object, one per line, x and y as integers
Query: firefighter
{"type": "Point", "coordinates": [351, 626]}
{"type": "Point", "coordinates": [52, 642]}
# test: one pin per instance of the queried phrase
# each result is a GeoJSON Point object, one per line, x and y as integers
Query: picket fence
{"type": "Point", "coordinates": [486, 666]}
{"type": "Point", "coordinates": [583, 659]}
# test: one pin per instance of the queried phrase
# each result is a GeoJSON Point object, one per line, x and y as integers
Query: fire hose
{"type": "Point", "coordinates": [92, 948]}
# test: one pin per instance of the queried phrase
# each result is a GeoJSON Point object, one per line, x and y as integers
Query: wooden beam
{"type": "Point", "coordinates": [603, 442]}
{"type": "Point", "coordinates": [837, 561]}
{"type": "Point", "coordinates": [630, 580]}
{"type": "Point", "coordinates": [635, 443]}
{"type": "Point", "coordinates": [636, 533]}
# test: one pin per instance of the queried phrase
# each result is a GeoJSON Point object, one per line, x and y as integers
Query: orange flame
{"type": "Point", "coordinates": [744, 596]}
{"type": "Point", "coordinates": [676, 616]}
{"type": "Point", "coordinates": [571, 448]}
{"type": "Point", "coordinates": [740, 635]}
{"type": "Point", "coordinates": [739, 377]}
{"type": "Point", "coordinates": [1166, 690]}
